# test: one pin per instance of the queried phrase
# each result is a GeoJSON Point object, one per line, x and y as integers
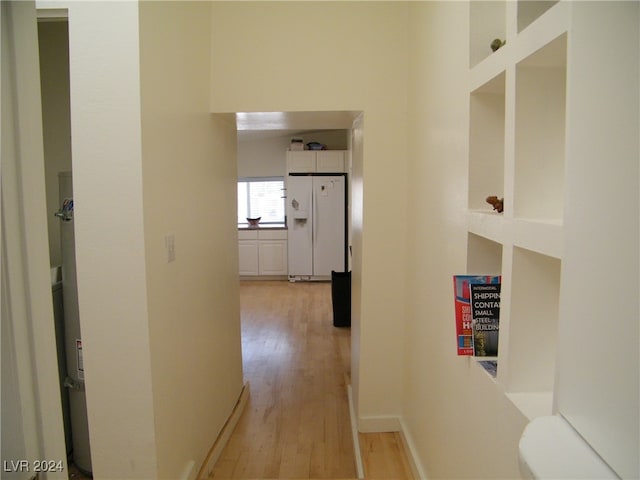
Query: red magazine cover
{"type": "Point", "coordinates": [464, 332]}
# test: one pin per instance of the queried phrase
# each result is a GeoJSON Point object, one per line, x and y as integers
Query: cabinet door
{"type": "Point", "coordinates": [248, 255]}
{"type": "Point", "coordinates": [301, 162]}
{"type": "Point", "coordinates": [273, 257]}
{"type": "Point", "coordinates": [330, 161]}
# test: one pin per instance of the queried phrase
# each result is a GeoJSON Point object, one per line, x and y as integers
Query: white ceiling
{"type": "Point", "coordinates": [258, 125]}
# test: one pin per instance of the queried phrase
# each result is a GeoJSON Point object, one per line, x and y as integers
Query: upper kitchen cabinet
{"type": "Point", "coordinates": [317, 161]}
{"type": "Point", "coordinates": [301, 161]}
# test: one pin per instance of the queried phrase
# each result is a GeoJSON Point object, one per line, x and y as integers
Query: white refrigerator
{"type": "Point", "coordinates": [316, 219]}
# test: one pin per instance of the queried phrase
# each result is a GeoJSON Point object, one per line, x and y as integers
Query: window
{"type": "Point", "coordinates": [261, 197]}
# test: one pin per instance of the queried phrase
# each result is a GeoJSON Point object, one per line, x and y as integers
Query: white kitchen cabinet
{"type": "Point", "coordinates": [301, 161]}
{"type": "Point", "coordinates": [248, 255]}
{"type": "Point", "coordinates": [330, 161]}
{"type": "Point", "coordinates": [262, 252]}
{"type": "Point", "coordinates": [272, 257]}
{"type": "Point", "coordinates": [317, 161]}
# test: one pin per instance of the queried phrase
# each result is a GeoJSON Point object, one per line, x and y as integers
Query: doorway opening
{"type": "Point", "coordinates": [53, 40]}
{"type": "Point", "coordinates": [294, 358]}
{"type": "Point", "coordinates": [265, 139]}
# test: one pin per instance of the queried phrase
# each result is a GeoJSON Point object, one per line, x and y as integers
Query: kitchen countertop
{"type": "Point", "coordinates": [275, 226]}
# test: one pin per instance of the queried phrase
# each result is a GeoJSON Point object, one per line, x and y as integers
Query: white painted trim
{"type": "Point", "coordinates": [376, 424]}
{"type": "Point", "coordinates": [354, 432]}
{"type": "Point", "coordinates": [412, 452]}
{"type": "Point", "coordinates": [52, 14]}
{"type": "Point", "coordinates": [225, 434]}
{"type": "Point", "coordinates": [379, 424]}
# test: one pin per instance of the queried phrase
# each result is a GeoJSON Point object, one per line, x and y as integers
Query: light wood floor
{"type": "Point", "coordinates": [296, 423]}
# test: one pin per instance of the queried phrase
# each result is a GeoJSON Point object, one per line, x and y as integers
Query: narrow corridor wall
{"type": "Point", "coordinates": [337, 56]}
{"type": "Point", "coordinates": [189, 189]}
{"type": "Point", "coordinates": [462, 426]}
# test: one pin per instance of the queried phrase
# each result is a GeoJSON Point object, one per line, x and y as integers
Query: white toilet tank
{"type": "Point", "coordinates": [551, 449]}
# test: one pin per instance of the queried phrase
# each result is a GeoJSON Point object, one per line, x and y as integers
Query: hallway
{"type": "Point", "coordinates": [296, 423]}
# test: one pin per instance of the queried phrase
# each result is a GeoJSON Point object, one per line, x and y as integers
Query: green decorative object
{"type": "Point", "coordinates": [497, 43]}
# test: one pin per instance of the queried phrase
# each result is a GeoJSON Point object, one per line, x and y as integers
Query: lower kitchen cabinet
{"type": "Point", "coordinates": [272, 257]}
{"type": "Point", "coordinates": [248, 255]}
{"type": "Point", "coordinates": [262, 252]}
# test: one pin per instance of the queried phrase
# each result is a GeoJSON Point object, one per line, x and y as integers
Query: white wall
{"type": "Point", "coordinates": [263, 157]}
{"type": "Point", "coordinates": [461, 424]}
{"type": "Point", "coordinates": [162, 341]}
{"type": "Point", "coordinates": [360, 52]}
{"type": "Point", "coordinates": [110, 239]}
{"type": "Point", "coordinates": [189, 187]}
{"type": "Point", "coordinates": [598, 392]}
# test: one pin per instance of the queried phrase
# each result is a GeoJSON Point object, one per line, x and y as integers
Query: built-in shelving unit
{"type": "Point", "coordinates": [517, 114]}
{"type": "Point", "coordinates": [554, 128]}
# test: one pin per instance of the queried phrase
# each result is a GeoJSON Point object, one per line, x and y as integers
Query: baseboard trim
{"type": "Point", "coordinates": [354, 432]}
{"type": "Point", "coordinates": [376, 424]}
{"type": "Point", "coordinates": [412, 453]}
{"type": "Point", "coordinates": [225, 434]}
{"type": "Point", "coordinates": [261, 278]}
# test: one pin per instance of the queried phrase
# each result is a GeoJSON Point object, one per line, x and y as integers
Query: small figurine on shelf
{"type": "Point", "coordinates": [497, 43]}
{"type": "Point", "coordinates": [496, 203]}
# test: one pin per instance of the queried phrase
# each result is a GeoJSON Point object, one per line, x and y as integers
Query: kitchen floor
{"type": "Point", "coordinates": [296, 423]}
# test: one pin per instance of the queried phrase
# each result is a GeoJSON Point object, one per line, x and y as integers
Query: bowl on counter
{"type": "Point", "coordinates": [253, 222]}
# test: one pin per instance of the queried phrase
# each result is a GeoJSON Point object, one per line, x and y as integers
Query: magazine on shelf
{"type": "Point", "coordinates": [462, 298]}
{"type": "Point", "coordinates": [485, 318]}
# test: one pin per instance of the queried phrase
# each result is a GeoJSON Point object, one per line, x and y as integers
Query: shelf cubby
{"type": "Point", "coordinates": [540, 133]}
{"type": "Point", "coordinates": [487, 21]}
{"type": "Point", "coordinates": [484, 256]}
{"type": "Point", "coordinates": [517, 130]}
{"type": "Point", "coordinates": [486, 143]}
{"type": "Point", "coordinates": [530, 10]}
{"type": "Point", "coordinates": [533, 322]}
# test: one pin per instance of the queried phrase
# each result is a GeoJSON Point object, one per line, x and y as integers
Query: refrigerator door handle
{"type": "Point", "coordinates": [314, 206]}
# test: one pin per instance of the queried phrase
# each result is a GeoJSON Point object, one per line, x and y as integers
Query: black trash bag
{"type": "Point", "coordinates": [341, 298]}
